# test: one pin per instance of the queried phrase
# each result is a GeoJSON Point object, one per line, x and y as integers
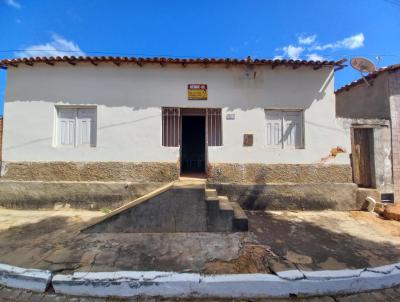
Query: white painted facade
{"type": "Point", "coordinates": [129, 99]}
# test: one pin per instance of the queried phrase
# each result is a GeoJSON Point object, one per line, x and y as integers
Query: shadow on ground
{"type": "Point", "coordinates": [55, 243]}
{"type": "Point", "coordinates": [276, 242]}
{"type": "Point", "coordinates": [313, 246]}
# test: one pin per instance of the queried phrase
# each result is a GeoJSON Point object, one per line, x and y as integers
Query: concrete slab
{"type": "Point", "coordinates": [328, 240]}
{"type": "Point", "coordinates": [277, 241]}
{"type": "Point", "coordinates": [51, 240]}
{"type": "Point", "coordinates": [18, 277]}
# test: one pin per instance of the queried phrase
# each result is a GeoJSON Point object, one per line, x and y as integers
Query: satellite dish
{"type": "Point", "coordinates": [363, 65]}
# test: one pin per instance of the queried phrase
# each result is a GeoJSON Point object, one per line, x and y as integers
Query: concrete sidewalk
{"type": "Point", "coordinates": [277, 241]}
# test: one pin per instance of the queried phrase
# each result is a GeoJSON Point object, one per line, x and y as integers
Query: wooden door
{"type": "Point", "coordinates": [361, 156]}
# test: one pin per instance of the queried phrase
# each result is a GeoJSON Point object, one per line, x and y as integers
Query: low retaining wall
{"type": "Point", "coordinates": [91, 171]}
{"type": "Point", "coordinates": [292, 196]}
{"type": "Point", "coordinates": [81, 195]}
{"type": "Point", "coordinates": [278, 173]}
{"type": "Point", "coordinates": [175, 209]}
{"type": "Point", "coordinates": [170, 284]}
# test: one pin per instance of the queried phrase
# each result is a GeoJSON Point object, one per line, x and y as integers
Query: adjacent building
{"type": "Point", "coordinates": [370, 107]}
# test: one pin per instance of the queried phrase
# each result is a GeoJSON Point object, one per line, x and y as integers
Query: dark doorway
{"type": "Point", "coordinates": [193, 155]}
{"type": "Point", "coordinates": [363, 157]}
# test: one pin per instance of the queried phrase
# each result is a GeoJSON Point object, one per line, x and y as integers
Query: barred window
{"type": "Point", "coordinates": [170, 127]}
{"type": "Point", "coordinates": [214, 127]}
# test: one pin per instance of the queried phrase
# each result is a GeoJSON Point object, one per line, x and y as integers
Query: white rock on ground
{"type": "Point", "coordinates": [370, 204]}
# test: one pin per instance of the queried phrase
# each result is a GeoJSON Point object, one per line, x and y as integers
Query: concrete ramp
{"type": "Point", "coordinates": [182, 206]}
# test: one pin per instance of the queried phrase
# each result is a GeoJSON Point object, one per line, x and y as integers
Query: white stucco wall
{"type": "Point", "coordinates": [129, 100]}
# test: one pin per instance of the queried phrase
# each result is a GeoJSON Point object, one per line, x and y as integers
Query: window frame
{"type": "Point", "coordinates": [282, 145]}
{"type": "Point", "coordinates": [56, 137]}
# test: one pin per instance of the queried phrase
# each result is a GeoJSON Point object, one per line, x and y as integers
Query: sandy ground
{"type": "Point", "coordinates": [276, 241]}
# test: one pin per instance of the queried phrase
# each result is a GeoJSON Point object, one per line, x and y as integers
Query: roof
{"type": "Point", "coordinates": [370, 76]}
{"type": "Point", "coordinates": [163, 61]}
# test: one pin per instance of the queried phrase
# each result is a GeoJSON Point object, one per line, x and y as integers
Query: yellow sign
{"type": "Point", "coordinates": [197, 92]}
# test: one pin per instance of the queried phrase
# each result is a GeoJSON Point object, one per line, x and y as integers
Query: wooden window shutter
{"type": "Point", "coordinates": [214, 127]}
{"type": "Point", "coordinates": [274, 127]}
{"type": "Point", "coordinates": [284, 128]}
{"type": "Point", "coordinates": [171, 127]}
{"type": "Point", "coordinates": [292, 129]}
{"type": "Point", "coordinates": [86, 134]}
{"type": "Point", "coordinates": [66, 126]}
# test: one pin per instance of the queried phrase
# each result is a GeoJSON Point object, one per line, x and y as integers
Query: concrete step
{"type": "Point", "coordinates": [219, 214]}
{"type": "Point", "coordinates": [224, 204]}
{"type": "Point", "coordinates": [211, 193]}
{"type": "Point", "coordinates": [240, 220]}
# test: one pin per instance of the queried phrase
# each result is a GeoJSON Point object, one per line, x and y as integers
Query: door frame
{"type": "Point", "coordinates": [357, 168]}
{"type": "Point", "coordinates": [190, 111]}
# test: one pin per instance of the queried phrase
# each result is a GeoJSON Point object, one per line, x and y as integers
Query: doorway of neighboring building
{"type": "Point", "coordinates": [363, 157]}
{"type": "Point", "coordinates": [193, 145]}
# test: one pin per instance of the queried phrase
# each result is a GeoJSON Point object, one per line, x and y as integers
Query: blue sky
{"type": "Point", "coordinates": [307, 29]}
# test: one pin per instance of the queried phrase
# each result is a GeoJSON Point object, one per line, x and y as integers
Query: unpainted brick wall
{"type": "Point", "coordinates": [394, 90]}
{"type": "Point", "coordinates": [1, 138]}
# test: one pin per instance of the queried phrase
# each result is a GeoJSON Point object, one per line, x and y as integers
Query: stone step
{"type": "Point", "coordinates": [224, 204]}
{"type": "Point", "coordinates": [240, 220]}
{"type": "Point", "coordinates": [211, 193]}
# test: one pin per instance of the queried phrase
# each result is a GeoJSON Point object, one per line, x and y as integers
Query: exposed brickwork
{"type": "Point", "coordinates": [394, 90]}
{"type": "Point", "coordinates": [1, 138]}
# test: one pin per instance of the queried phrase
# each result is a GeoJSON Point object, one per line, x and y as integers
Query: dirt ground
{"type": "Point", "coordinates": [276, 241]}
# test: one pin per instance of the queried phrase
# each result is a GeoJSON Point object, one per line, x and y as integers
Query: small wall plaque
{"type": "Point", "coordinates": [230, 116]}
{"type": "Point", "coordinates": [247, 140]}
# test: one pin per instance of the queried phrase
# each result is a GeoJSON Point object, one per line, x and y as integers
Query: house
{"type": "Point", "coordinates": [247, 122]}
{"type": "Point", "coordinates": [370, 107]}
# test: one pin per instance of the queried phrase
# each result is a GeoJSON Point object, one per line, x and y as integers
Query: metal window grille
{"type": "Point", "coordinates": [214, 127]}
{"type": "Point", "coordinates": [170, 127]}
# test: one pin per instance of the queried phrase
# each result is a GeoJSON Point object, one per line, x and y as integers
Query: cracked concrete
{"type": "Point", "coordinates": [326, 240]}
{"type": "Point", "coordinates": [51, 240]}
{"type": "Point", "coordinates": [277, 241]}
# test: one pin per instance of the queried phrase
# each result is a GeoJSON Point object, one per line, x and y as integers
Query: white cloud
{"type": "Point", "coordinates": [307, 40]}
{"type": "Point", "coordinates": [13, 3]}
{"type": "Point", "coordinates": [58, 46]}
{"type": "Point", "coordinates": [309, 47]}
{"type": "Point", "coordinates": [293, 52]}
{"type": "Point", "coordinates": [315, 57]}
{"type": "Point", "coordinates": [278, 58]}
{"type": "Point", "coordinates": [352, 42]}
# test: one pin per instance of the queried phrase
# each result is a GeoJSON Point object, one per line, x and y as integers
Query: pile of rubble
{"type": "Point", "coordinates": [387, 210]}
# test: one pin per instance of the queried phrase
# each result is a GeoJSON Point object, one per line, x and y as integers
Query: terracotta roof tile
{"type": "Point", "coordinates": [5, 63]}
{"type": "Point", "coordinates": [370, 76]}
